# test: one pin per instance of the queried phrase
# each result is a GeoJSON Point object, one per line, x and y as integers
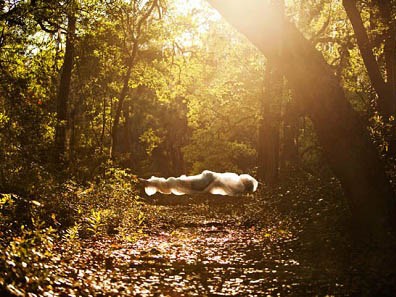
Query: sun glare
{"type": "Point", "coordinates": [201, 13]}
{"type": "Point", "coordinates": [185, 7]}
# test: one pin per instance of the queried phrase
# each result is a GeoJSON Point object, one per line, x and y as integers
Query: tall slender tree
{"type": "Point", "coordinates": [383, 82]}
{"type": "Point", "coordinates": [133, 27]}
{"type": "Point", "coordinates": [62, 104]}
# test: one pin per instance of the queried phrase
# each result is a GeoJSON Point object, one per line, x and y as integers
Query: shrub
{"type": "Point", "coordinates": [110, 204]}
{"type": "Point", "coordinates": [24, 260]}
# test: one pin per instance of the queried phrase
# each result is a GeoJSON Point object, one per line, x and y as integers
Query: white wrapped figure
{"type": "Point", "coordinates": [230, 184]}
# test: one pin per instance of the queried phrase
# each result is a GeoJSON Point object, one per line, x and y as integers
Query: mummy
{"type": "Point", "coordinates": [227, 183]}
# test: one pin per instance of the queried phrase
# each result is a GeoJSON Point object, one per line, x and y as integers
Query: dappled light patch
{"type": "Point", "coordinates": [189, 261]}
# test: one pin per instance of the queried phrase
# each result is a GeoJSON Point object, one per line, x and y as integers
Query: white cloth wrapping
{"type": "Point", "coordinates": [227, 183]}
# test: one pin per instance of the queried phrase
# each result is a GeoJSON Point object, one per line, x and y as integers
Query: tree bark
{"type": "Point", "coordinates": [345, 140]}
{"type": "Point", "coordinates": [64, 90]}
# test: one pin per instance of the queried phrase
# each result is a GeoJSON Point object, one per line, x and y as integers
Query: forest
{"type": "Point", "coordinates": [97, 96]}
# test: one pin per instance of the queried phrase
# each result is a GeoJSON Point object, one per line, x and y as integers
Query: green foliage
{"type": "Point", "coordinates": [382, 132]}
{"type": "Point", "coordinates": [98, 220]}
{"type": "Point", "coordinates": [24, 259]}
{"type": "Point", "coordinates": [207, 152]}
{"type": "Point", "coordinates": [16, 211]}
{"type": "Point", "coordinates": [72, 234]}
{"type": "Point", "coordinates": [193, 100]}
{"type": "Point", "coordinates": [109, 204]}
{"type": "Point", "coordinates": [25, 253]}
{"type": "Point", "coordinates": [151, 140]}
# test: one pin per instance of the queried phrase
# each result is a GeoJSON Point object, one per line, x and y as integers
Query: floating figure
{"type": "Point", "coordinates": [227, 183]}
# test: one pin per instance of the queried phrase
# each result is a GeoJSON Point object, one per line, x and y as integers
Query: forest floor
{"type": "Point", "coordinates": [198, 247]}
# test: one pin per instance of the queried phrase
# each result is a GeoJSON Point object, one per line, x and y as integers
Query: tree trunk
{"type": "Point", "coordinates": [268, 150]}
{"type": "Point", "coordinates": [102, 134]}
{"type": "Point", "coordinates": [345, 140]}
{"type": "Point", "coordinates": [116, 123]}
{"type": "Point", "coordinates": [64, 90]}
{"type": "Point", "coordinates": [176, 159]}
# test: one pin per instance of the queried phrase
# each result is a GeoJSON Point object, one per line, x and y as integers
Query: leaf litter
{"type": "Point", "coordinates": [200, 252]}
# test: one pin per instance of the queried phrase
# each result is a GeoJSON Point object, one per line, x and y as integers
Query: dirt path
{"type": "Point", "coordinates": [203, 256]}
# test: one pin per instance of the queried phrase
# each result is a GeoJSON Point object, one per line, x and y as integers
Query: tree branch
{"type": "Point", "coordinates": [45, 29]}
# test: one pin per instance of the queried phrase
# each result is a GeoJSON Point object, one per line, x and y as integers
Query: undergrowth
{"type": "Point", "coordinates": [304, 213]}
{"type": "Point", "coordinates": [63, 213]}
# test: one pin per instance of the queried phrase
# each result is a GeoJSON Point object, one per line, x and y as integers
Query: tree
{"type": "Point", "coordinates": [269, 126]}
{"type": "Point", "coordinates": [134, 22]}
{"type": "Point", "coordinates": [223, 116]}
{"type": "Point", "coordinates": [26, 93]}
{"type": "Point", "coordinates": [344, 138]}
{"type": "Point", "coordinates": [62, 105]}
{"type": "Point", "coordinates": [383, 83]}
